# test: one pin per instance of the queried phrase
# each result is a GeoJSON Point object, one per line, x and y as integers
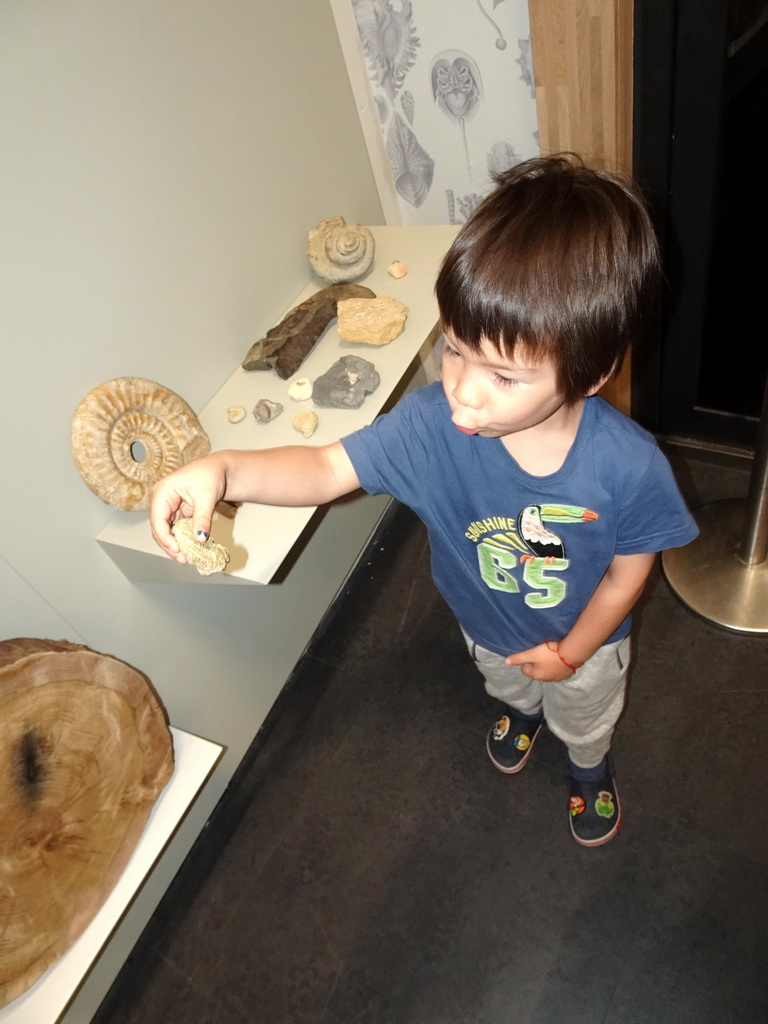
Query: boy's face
{"type": "Point", "coordinates": [492, 396]}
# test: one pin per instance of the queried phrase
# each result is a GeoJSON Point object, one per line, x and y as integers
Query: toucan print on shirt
{"type": "Point", "coordinates": [529, 549]}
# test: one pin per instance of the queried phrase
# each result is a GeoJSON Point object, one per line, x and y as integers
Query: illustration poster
{"type": "Point", "coordinates": [452, 84]}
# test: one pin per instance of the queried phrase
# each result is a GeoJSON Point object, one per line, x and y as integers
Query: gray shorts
{"type": "Point", "coordinates": [582, 710]}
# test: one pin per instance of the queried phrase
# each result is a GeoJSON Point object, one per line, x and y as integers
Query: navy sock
{"type": "Point", "coordinates": [526, 718]}
{"type": "Point", "coordinates": [588, 774]}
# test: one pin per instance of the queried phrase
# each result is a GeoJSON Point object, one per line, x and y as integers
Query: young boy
{"type": "Point", "coordinates": [545, 506]}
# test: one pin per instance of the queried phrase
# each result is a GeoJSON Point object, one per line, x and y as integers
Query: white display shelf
{"type": "Point", "coordinates": [260, 537]}
{"type": "Point", "coordinates": [47, 999]}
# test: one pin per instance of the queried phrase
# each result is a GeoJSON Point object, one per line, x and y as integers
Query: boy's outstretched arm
{"type": "Point", "coordinates": [613, 599]}
{"type": "Point", "coordinates": [292, 475]}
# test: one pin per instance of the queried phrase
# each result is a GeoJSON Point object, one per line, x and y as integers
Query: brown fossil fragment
{"type": "Point", "coordinates": [85, 751]}
{"type": "Point", "coordinates": [286, 345]}
{"type": "Point", "coordinates": [207, 556]}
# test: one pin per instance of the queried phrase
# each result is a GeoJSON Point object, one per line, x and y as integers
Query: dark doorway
{"type": "Point", "coordinates": [701, 132]}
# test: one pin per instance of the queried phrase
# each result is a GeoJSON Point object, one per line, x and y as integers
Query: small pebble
{"type": "Point", "coordinates": [265, 410]}
{"type": "Point", "coordinates": [301, 389]}
{"type": "Point", "coordinates": [305, 423]}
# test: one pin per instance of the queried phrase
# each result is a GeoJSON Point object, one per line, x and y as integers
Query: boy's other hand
{"type": "Point", "coordinates": [541, 662]}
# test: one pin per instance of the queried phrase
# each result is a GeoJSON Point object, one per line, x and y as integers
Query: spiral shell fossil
{"type": "Point", "coordinates": [128, 433]}
{"type": "Point", "coordinates": [206, 556]}
{"type": "Point", "coordinates": [338, 251]}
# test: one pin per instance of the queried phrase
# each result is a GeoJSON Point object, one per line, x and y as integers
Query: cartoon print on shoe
{"type": "Point", "coordinates": [594, 810]}
{"type": "Point", "coordinates": [510, 741]}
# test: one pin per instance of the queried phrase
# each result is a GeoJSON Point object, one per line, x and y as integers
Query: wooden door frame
{"type": "Point", "coordinates": [583, 71]}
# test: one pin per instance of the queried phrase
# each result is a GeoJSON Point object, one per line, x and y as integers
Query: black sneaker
{"type": "Point", "coordinates": [510, 742]}
{"type": "Point", "coordinates": [594, 809]}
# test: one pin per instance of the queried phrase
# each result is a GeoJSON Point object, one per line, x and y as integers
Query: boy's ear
{"type": "Point", "coordinates": [603, 380]}
{"type": "Point", "coordinates": [596, 388]}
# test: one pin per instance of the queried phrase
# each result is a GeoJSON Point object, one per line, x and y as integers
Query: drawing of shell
{"type": "Point", "coordinates": [389, 40]}
{"type": "Point", "coordinates": [408, 104]}
{"type": "Point", "coordinates": [338, 251]}
{"type": "Point", "coordinates": [412, 167]}
{"type": "Point", "coordinates": [127, 434]}
{"type": "Point", "coordinates": [206, 556]}
{"type": "Point", "coordinates": [382, 107]}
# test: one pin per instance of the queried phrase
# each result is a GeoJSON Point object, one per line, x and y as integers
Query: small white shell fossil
{"type": "Point", "coordinates": [305, 423]}
{"type": "Point", "coordinates": [235, 413]}
{"type": "Point", "coordinates": [266, 410]}
{"type": "Point", "coordinates": [301, 389]}
{"type": "Point", "coordinates": [397, 269]}
{"type": "Point", "coordinates": [371, 321]}
{"type": "Point", "coordinates": [338, 251]}
{"type": "Point", "coordinates": [206, 556]}
{"type": "Point", "coordinates": [128, 433]}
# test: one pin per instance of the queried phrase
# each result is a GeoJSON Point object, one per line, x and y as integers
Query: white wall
{"type": "Point", "coordinates": [160, 165]}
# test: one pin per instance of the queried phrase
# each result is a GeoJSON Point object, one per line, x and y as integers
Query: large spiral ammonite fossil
{"type": "Point", "coordinates": [338, 251]}
{"type": "Point", "coordinates": [85, 751]}
{"type": "Point", "coordinates": [127, 434]}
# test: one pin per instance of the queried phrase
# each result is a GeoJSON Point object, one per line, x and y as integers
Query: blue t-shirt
{"type": "Point", "coordinates": [517, 556]}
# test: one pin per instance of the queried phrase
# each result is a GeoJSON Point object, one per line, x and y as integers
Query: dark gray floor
{"type": "Point", "coordinates": [372, 867]}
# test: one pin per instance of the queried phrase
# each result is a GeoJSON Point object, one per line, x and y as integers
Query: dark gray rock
{"type": "Point", "coordinates": [345, 384]}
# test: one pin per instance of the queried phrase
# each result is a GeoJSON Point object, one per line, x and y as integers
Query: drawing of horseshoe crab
{"type": "Point", "coordinates": [457, 89]}
{"type": "Point", "coordinates": [388, 37]}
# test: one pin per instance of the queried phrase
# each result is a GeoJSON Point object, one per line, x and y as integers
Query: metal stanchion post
{"type": "Point", "coordinates": [723, 574]}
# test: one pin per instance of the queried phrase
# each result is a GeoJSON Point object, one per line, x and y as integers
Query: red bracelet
{"type": "Point", "coordinates": [556, 650]}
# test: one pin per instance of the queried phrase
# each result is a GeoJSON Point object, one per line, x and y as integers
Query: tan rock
{"type": "Point", "coordinates": [305, 423]}
{"type": "Point", "coordinates": [371, 321]}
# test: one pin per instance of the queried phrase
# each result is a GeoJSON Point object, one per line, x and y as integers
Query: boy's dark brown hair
{"type": "Point", "coordinates": [559, 257]}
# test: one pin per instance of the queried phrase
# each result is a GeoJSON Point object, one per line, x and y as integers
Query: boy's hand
{"type": "Point", "coordinates": [189, 493]}
{"type": "Point", "coordinates": [541, 662]}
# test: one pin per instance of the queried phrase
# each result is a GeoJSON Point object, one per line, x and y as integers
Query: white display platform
{"type": "Point", "coordinates": [47, 999]}
{"type": "Point", "coordinates": [260, 537]}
